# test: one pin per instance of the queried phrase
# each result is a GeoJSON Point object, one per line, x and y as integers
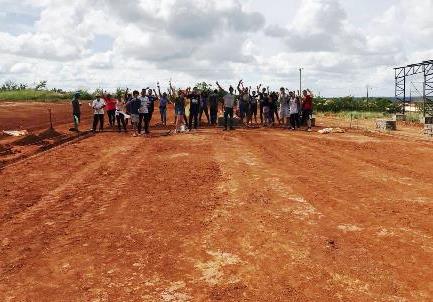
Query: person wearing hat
{"type": "Point", "coordinates": [76, 110]}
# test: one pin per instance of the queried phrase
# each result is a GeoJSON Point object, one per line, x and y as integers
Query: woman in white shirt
{"type": "Point", "coordinates": [283, 99]}
{"type": "Point", "coordinates": [294, 104]}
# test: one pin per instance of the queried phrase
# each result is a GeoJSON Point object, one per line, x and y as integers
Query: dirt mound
{"type": "Point", "coordinates": [50, 134]}
{"type": "Point", "coordinates": [5, 150]}
{"type": "Point", "coordinates": [30, 139]}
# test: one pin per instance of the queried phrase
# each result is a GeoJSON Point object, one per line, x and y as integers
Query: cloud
{"type": "Point", "coordinates": [108, 42]}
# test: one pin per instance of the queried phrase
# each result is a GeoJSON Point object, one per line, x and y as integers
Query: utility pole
{"type": "Point", "coordinates": [368, 103]}
{"type": "Point", "coordinates": [300, 81]}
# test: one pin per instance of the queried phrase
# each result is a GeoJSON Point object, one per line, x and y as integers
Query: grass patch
{"type": "Point", "coordinates": [26, 95]}
{"type": "Point", "coordinates": [411, 117]}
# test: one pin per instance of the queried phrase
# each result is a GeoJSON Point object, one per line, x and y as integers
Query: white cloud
{"type": "Point", "coordinates": [195, 40]}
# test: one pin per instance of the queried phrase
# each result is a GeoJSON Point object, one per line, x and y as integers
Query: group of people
{"type": "Point", "coordinates": [284, 107]}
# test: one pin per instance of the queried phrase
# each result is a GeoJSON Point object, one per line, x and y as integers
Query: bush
{"type": "Point", "coordinates": [350, 103]}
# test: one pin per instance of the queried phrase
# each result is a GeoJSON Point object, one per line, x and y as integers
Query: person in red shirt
{"type": "Point", "coordinates": [307, 108]}
{"type": "Point", "coordinates": [111, 108]}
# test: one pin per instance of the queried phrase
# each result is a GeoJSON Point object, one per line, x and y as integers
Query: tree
{"type": "Point", "coordinates": [41, 85]}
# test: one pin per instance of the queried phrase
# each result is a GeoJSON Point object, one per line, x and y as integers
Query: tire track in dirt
{"type": "Point", "coordinates": [269, 179]}
{"type": "Point", "coordinates": [135, 237]}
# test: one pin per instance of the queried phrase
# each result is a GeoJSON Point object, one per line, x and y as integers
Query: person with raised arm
{"type": "Point", "coordinates": [163, 101]}
{"type": "Point", "coordinates": [229, 102]}
{"type": "Point", "coordinates": [243, 101]}
{"type": "Point", "coordinates": [253, 105]}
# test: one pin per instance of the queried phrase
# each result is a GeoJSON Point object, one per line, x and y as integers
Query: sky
{"type": "Point", "coordinates": [341, 45]}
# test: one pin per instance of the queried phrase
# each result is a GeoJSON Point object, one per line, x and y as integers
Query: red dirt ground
{"type": "Point", "coordinates": [250, 215]}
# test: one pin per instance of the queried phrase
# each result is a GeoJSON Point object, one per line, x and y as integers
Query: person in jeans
{"type": "Point", "coordinates": [229, 102]}
{"type": "Point", "coordinates": [143, 113]}
{"type": "Point", "coordinates": [98, 106]}
{"type": "Point", "coordinates": [194, 108]}
{"type": "Point", "coordinates": [111, 108]}
{"type": "Point", "coordinates": [163, 101]}
{"type": "Point", "coordinates": [151, 104]}
{"type": "Point", "coordinates": [204, 106]}
{"type": "Point", "coordinates": [213, 102]}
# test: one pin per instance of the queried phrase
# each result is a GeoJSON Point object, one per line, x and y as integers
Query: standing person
{"type": "Point", "coordinates": [121, 115]}
{"type": "Point", "coordinates": [294, 104]}
{"type": "Point", "coordinates": [307, 108]}
{"type": "Point", "coordinates": [76, 110]}
{"type": "Point", "coordinates": [194, 108]}
{"type": "Point", "coordinates": [151, 101]}
{"type": "Point", "coordinates": [213, 102]}
{"type": "Point", "coordinates": [163, 101]}
{"type": "Point", "coordinates": [253, 106]}
{"type": "Point", "coordinates": [132, 107]}
{"type": "Point", "coordinates": [261, 98]}
{"type": "Point", "coordinates": [179, 110]}
{"type": "Point", "coordinates": [229, 103]}
{"type": "Point", "coordinates": [98, 106]}
{"type": "Point", "coordinates": [111, 108]}
{"type": "Point", "coordinates": [283, 99]}
{"type": "Point", "coordinates": [243, 101]}
{"type": "Point", "coordinates": [294, 110]}
{"type": "Point", "coordinates": [266, 107]}
{"type": "Point", "coordinates": [204, 96]}
{"type": "Point", "coordinates": [274, 107]}
{"type": "Point", "coordinates": [143, 113]}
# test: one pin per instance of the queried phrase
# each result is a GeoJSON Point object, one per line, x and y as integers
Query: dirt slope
{"type": "Point", "coordinates": [260, 215]}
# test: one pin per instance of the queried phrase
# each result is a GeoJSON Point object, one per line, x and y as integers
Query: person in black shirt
{"type": "Point", "coordinates": [204, 97]}
{"type": "Point", "coordinates": [274, 107]}
{"type": "Point", "coordinates": [194, 107]}
{"type": "Point", "coordinates": [76, 111]}
{"type": "Point", "coordinates": [151, 106]}
{"type": "Point", "coordinates": [213, 103]}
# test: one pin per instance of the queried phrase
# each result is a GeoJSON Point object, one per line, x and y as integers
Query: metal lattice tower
{"type": "Point", "coordinates": [401, 73]}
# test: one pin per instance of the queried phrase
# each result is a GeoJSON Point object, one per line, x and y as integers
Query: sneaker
{"type": "Point", "coordinates": [309, 130]}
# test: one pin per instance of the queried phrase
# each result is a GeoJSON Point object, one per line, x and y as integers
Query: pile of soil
{"type": "Point", "coordinates": [30, 139]}
{"type": "Point", "coordinates": [50, 134]}
{"type": "Point", "coordinates": [6, 150]}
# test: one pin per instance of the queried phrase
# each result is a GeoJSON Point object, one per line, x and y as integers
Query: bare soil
{"type": "Point", "coordinates": [249, 215]}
